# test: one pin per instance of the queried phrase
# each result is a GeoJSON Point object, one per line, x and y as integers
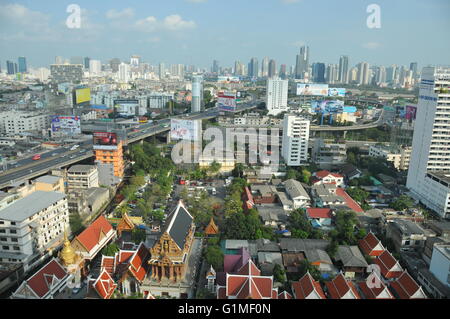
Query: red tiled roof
{"type": "Point", "coordinates": [369, 243]}
{"type": "Point", "coordinates": [406, 287]}
{"type": "Point", "coordinates": [322, 174]}
{"type": "Point", "coordinates": [319, 212]}
{"type": "Point", "coordinates": [349, 201]}
{"type": "Point", "coordinates": [381, 292]}
{"type": "Point", "coordinates": [108, 263]}
{"type": "Point", "coordinates": [305, 286]}
{"type": "Point", "coordinates": [285, 295]}
{"type": "Point", "coordinates": [138, 263]}
{"type": "Point", "coordinates": [41, 281]}
{"type": "Point", "coordinates": [387, 264]}
{"type": "Point", "coordinates": [91, 235]}
{"type": "Point", "coordinates": [339, 286]}
{"type": "Point", "coordinates": [105, 285]}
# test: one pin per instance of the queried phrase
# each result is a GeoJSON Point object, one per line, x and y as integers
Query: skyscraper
{"type": "Point", "coordinates": [429, 167]}
{"type": "Point", "coordinates": [318, 72]}
{"type": "Point", "coordinates": [253, 68]}
{"type": "Point", "coordinates": [276, 96]}
{"type": "Point", "coordinates": [343, 69]}
{"type": "Point", "coordinates": [215, 67]}
{"type": "Point", "coordinates": [95, 67]}
{"type": "Point", "coordinates": [22, 64]}
{"type": "Point", "coordinates": [135, 60]}
{"type": "Point", "coordinates": [302, 63]}
{"type": "Point", "coordinates": [283, 71]}
{"type": "Point", "coordinates": [114, 64]}
{"type": "Point", "coordinates": [363, 73]}
{"type": "Point", "coordinates": [124, 72]}
{"type": "Point", "coordinates": [162, 71]}
{"type": "Point", "coordinates": [197, 93]}
{"type": "Point", "coordinates": [294, 148]}
{"type": "Point", "coordinates": [265, 67]}
{"type": "Point", "coordinates": [86, 61]}
{"type": "Point", "coordinates": [413, 68]}
{"type": "Point", "coordinates": [272, 68]}
{"type": "Point", "coordinates": [10, 67]}
{"type": "Point", "coordinates": [332, 73]}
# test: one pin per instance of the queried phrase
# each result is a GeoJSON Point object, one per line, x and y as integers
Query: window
{"type": "Point", "coordinates": [5, 247]}
{"type": "Point", "coordinates": [14, 240]}
{"type": "Point", "coordinates": [13, 231]}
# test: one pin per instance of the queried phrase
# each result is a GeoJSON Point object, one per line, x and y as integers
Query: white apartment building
{"type": "Point", "coordinates": [15, 122]}
{"type": "Point", "coordinates": [294, 148]}
{"type": "Point", "coordinates": [80, 177]}
{"type": "Point", "coordinates": [31, 227]}
{"type": "Point", "coordinates": [440, 263]}
{"type": "Point", "coordinates": [95, 67]}
{"type": "Point", "coordinates": [277, 96]}
{"type": "Point", "coordinates": [399, 157]}
{"type": "Point", "coordinates": [431, 141]}
{"type": "Point", "coordinates": [124, 73]}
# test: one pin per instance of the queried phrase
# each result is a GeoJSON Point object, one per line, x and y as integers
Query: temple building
{"type": "Point", "coordinates": [125, 224]}
{"type": "Point", "coordinates": [212, 229]}
{"type": "Point", "coordinates": [170, 251]}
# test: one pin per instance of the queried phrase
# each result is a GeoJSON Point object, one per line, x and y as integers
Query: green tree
{"type": "Point", "coordinates": [138, 235]}
{"type": "Point", "coordinates": [110, 249]}
{"type": "Point", "coordinates": [214, 256]}
{"type": "Point", "coordinates": [76, 223]}
{"type": "Point", "coordinates": [279, 273]}
{"type": "Point", "coordinates": [402, 203]}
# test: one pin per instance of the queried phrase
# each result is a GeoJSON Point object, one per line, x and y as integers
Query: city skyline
{"type": "Point", "coordinates": [189, 32]}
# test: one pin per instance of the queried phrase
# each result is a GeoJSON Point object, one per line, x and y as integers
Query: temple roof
{"type": "Point", "coordinates": [178, 224]}
{"type": "Point", "coordinates": [212, 228]}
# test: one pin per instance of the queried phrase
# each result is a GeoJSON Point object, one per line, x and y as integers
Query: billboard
{"type": "Point", "coordinates": [327, 106]}
{"type": "Point", "coordinates": [411, 112]}
{"type": "Point", "coordinates": [105, 141]}
{"type": "Point", "coordinates": [226, 102]}
{"type": "Point", "coordinates": [312, 89]}
{"type": "Point", "coordinates": [126, 107]}
{"type": "Point", "coordinates": [68, 125]}
{"type": "Point", "coordinates": [82, 95]}
{"type": "Point", "coordinates": [228, 79]}
{"type": "Point", "coordinates": [185, 129]}
{"type": "Point", "coordinates": [337, 92]}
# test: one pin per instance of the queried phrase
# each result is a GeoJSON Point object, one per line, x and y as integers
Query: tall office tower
{"type": "Point", "coordinates": [390, 74]}
{"type": "Point", "coordinates": [294, 147]}
{"type": "Point", "coordinates": [124, 72]}
{"type": "Point", "coordinates": [283, 72]}
{"type": "Point", "coordinates": [353, 75]}
{"type": "Point", "coordinates": [76, 60]}
{"type": "Point", "coordinates": [302, 63]}
{"type": "Point", "coordinates": [197, 93]}
{"type": "Point", "coordinates": [253, 68]}
{"type": "Point", "coordinates": [114, 64]}
{"type": "Point", "coordinates": [343, 69]}
{"type": "Point", "coordinates": [135, 60]}
{"type": "Point", "coordinates": [22, 64]}
{"type": "Point", "coordinates": [95, 67]}
{"type": "Point", "coordinates": [86, 62]}
{"type": "Point", "coordinates": [272, 68]}
{"type": "Point", "coordinates": [162, 71]}
{"type": "Point", "coordinates": [429, 167]}
{"type": "Point", "coordinates": [332, 73]}
{"type": "Point", "coordinates": [177, 70]}
{"type": "Point", "coordinates": [363, 73]}
{"type": "Point", "coordinates": [238, 68]}
{"type": "Point", "coordinates": [215, 67]}
{"type": "Point", "coordinates": [413, 68]}
{"type": "Point", "coordinates": [277, 96]}
{"type": "Point", "coordinates": [10, 67]}
{"type": "Point", "coordinates": [265, 67]}
{"type": "Point", "coordinates": [381, 75]}
{"type": "Point", "coordinates": [62, 73]}
{"type": "Point", "coordinates": [318, 72]}
{"type": "Point", "coordinates": [59, 60]}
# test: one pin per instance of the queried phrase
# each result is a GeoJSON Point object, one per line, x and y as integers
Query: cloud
{"type": "Point", "coordinates": [371, 45]}
{"type": "Point", "coordinates": [172, 22]}
{"type": "Point", "coordinates": [115, 14]}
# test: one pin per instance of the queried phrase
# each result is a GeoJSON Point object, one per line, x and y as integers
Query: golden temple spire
{"type": "Point", "coordinates": [67, 254]}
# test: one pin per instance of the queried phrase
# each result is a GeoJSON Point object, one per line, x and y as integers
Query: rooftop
{"type": "Point", "coordinates": [48, 179]}
{"type": "Point", "coordinates": [30, 205]}
{"type": "Point", "coordinates": [81, 168]}
{"type": "Point", "coordinates": [407, 227]}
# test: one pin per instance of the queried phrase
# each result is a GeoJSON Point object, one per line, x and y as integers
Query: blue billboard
{"type": "Point", "coordinates": [337, 92]}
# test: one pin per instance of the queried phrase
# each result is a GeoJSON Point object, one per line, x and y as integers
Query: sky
{"type": "Point", "coordinates": [199, 31]}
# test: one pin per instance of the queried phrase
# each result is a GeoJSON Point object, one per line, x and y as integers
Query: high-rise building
{"type": "Point", "coordinates": [413, 68]}
{"type": "Point", "coordinates": [86, 62]}
{"type": "Point", "coordinates": [294, 147]}
{"type": "Point", "coordinates": [283, 72]}
{"type": "Point", "coordinates": [114, 64]}
{"type": "Point", "coordinates": [215, 67]}
{"type": "Point", "coordinates": [95, 67]}
{"type": "Point", "coordinates": [22, 64]}
{"type": "Point", "coordinates": [197, 93]}
{"type": "Point", "coordinates": [135, 60]}
{"type": "Point", "coordinates": [332, 73]}
{"type": "Point", "coordinates": [302, 63]}
{"type": "Point", "coordinates": [381, 75]}
{"type": "Point", "coordinates": [265, 67]}
{"type": "Point", "coordinates": [62, 73]}
{"type": "Point", "coordinates": [276, 96]}
{"type": "Point", "coordinates": [272, 68]}
{"type": "Point", "coordinates": [318, 72]}
{"type": "Point", "coordinates": [343, 69]}
{"type": "Point", "coordinates": [363, 73]}
{"type": "Point", "coordinates": [238, 68]}
{"type": "Point", "coordinates": [429, 168]}
{"type": "Point", "coordinates": [124, 72]}
{"type": "Point", "coordinates": [162, 71]}
{"type": "Point", "coordinates": [253, 68]}
{"type": "Point", "coordinates": [10, 67]}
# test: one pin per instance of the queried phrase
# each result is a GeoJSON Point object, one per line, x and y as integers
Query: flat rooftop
{"type": "Point", "coordinates": [48, 179]}
{"type": "Point", "coordinates": [30, 205]}
{"type": "Point", "coordinates": [81, 168]}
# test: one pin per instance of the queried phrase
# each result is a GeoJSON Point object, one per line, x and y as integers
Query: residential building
{"type": "Point", "coordinates": [16, 122]}
{"type": "Point", "coordinates": [343, 70]}
{"type": "Point", "coordinates": [328, 154]}
{"type": "Point", "coordinates": [276, 96]}
{"type": "Point", "coordinates": [31, 226]}
{"type": "Point", "coordinates": [294, 147]}
{"type": "Point", "coordinates": [297, 193]}
{"type": "Point", "coordinates": [82, 177]}
{"type": "Point", "coordinates": [197, 104]}
{"type": "Point", "coordinates": [123, 72]}
{"type": "Point", "coordinates": [351, 261]}
{"type": "Point", "coordinates": [440, 263]}
{"type": "Point", "coordinates": [430, 148]}
{"type": "Point", "coordinates": [406, 235]}
{"type": "Point", "coordinates": [320, 216]}
{"type": "Point", "coordinates": [399, 157]}
{"type": "Point", "coordinates": [49, 183]}
{"type": "Point", "coordinates": [111, 155]}
{"type": "Point", "coordinates": [66, 73]}
{"type": "Point", "coordinates": [326, 177]}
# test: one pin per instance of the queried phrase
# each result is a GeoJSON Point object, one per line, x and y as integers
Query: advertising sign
{"type": "Point", "coordinates": [228, 79]}
{"type": "Point", "coordinates": [226, 101]}
{"type": "Point", "coordinates": [312, 89]}
{"type": "Point", "coordinates": [105, 141]}
{"type": "Point", "coordinates": [66, 124]}
{"type": "Point", "coordinates": [126, 107]}
{"type": "Point", "coordinates": [82, 95]}
{"type": "Point", "coordinates": [411, 112]}
{"type": "Point", "coordinates": [327, 106]}
{"type": "Point", "coordinates": [337, 92]}
{"type": "Point", "coordinates": [185, 129]}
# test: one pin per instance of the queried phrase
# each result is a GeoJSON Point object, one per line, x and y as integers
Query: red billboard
{"type": "Point", "coordinates": [105, 141]}
{"type": "Point", "coordinates": [411, 112]}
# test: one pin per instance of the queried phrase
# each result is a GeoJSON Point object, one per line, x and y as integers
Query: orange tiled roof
{"type": "Point", "coordinates": [91, 235]}
{"type": "Point", "coordinates": [339, 286]}
{"type": "Point", "coordinates": [305, 286]}
{"type": "Point", "coordinates": [369, 243]}
{"type": "Point", "coordinates": [105, 285]}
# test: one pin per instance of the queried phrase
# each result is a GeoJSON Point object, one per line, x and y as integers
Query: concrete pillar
{"type": "Point", "coordinates": [171, 273]}
{"type": "Point", "coordinates": [345, 134]}
{"type": "Point", "coordinates": [168, 140]}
